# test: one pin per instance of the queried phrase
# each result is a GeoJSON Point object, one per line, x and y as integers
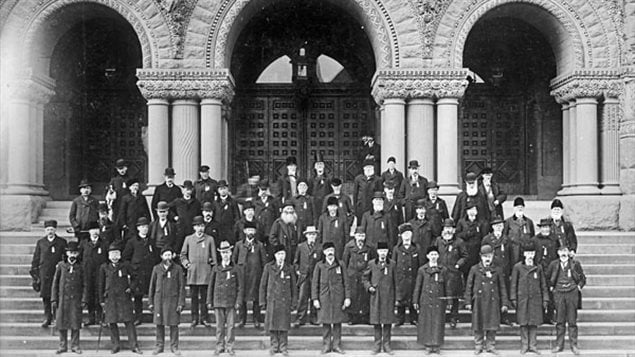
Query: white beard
{"type": "Point", "coordinates": [289, 217]}
{"type": "Point", "coordinates": [471, 191]}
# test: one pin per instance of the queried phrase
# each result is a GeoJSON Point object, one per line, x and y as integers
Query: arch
{"type": "Point", "coordinates": [40, 17]}
{"type": "Point", "coordinates": [233, 15]}
{"type": "Point", "coordinates": [567, 31]}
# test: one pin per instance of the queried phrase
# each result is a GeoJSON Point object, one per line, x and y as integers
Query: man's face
{"type": "Point", "coordinates": [134, 188]}
{"type": "Point", "coordinates": [382, 254]}
{"type": "Point", "coordinates": [226, 254]}
{"type": "Point", "coordinates": [311, 237]}
{"type": "Point", "coordinates": [329, 253]}
{"type": "Point", "coordinates": [122, 171]}
{"type": "Point", "coordinates": [421, 212]}
{"type": "Point", "coordinates": [360, 238]}
{"type": "Point", "coordinates": [280, 256]}
{"type": "Point", "coordinates": [85, 190]}
{"type": "Point", "coordinates": [433, 256]}
{"type": "Point", "coordinates": [103, 214]}
{"type": "Point", "coordinates": [470, 185]}
{"type": "Point", "coordinates": [249, 232]}
{"type": "Point", "coordinates": [369, 170]}
{"type": "Point", "coordinates": [263, 192]}
{"type": "Point", "coordinates": [302, 188]}
{"type": "Point", "coordinates": [50, 231]}
{"type": "Point", "coordinates": [487, 259]}
{"type": "Point", "coordinates": [319, 166]}
{"type": "Point", "coordinates": [114, 256]}
{"type": "Point", "coordinates": [72, 256]}
{"type": "Point", "coordinates": [556, 213]}
{"type": "Point", "coordinates": [163, 214]}
{"type": "Point", "coordinates": [223, 190]}
{"type": "Point", "coordinates": [545, 230]}
{"type": "Point", "coordinates": [142, 229]}
{"type": "Point", "coordinates": [413, 170]}
{"type": "Point", "coordinates": [187, 192]}
{"type": "Point", "coordinates": [166, 257]}
{"type": "Point", "coordinates": [288, 215]}
{"type": "Point", "coordinates": [94, 234]}
{"type": "Point", "coordinates": [199, 228]}
{"type": "Point", "coordinates": [204, 175]}
{"type": "Point", "coordinates": [563, 254]}
{"type": "Point", "coordinates": [498, 228]}
{"type": "Point", "coordinates": [378, 204]}
{"type": "Point", "coordinates": [519, 211]}
{"type": "Point", "coordinates": [332, 209]}
{"type": "Point", "coordinates": [169, 180]}
{"type": "Point", "coordinates": [390, 192]}
{"type": "Point", "coordinates": [391, 165]}
{"type": "Point", "coordinates": [472, 212]}
{"type": "Point", "coordinates": [250, 213]}
{"type": "Point", "coordinates": [291, 169]}
{"type": "Point", "coordinates": [406, 237]}
{"type": "Point", "coordinates": [337, 189]}
{"type": "Point", "coordinates": [448, 232]}
{"type": "Point", "coordinates": [487, 177]}
{"type": "Point", "coordinates": [433, 192]}
{"type": "Point", "coordinates": [529, 255]}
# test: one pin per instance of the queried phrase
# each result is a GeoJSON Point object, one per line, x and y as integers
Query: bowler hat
{"type": "Point", "coordinates": [203, 168]}
{"type": "Point", "coordinates": [421, 203]}
{"type": "Point", "coordinates": [263, 184]}
{"type": "Point", "coordinates": [187, 184]}
{"type": "Point", "coordinates": [198, 220]}
{"type": "Point", "coordinates": [167, 248]}
{"type": "Point", "coordinates": [278, 248]}
{"type": "Point", "coordinates": [519, 201]}
{"type": "Point", "coordinates": [382, 245]}
{"type": "Point", "coordinates": [93, 225]}
{"type": "Point", "coordinates": [556, 203]}
{"type": "Point", "coordinates": [487, 171]}
{"type": "Point", "coordinates": [222, 183]}
{"type": "Point", "coordinates": [432, 248]}
{"type": "Point", "coordinates": [72, 246]}
{"type": "Point", "coordinates": [471, 204]}
{"type": "Point", "coordinates": [224, 245]}
{"type": "Point", "coordinates": [332, 201]}
{"type": "Point", "coordinates": [291, 160]}
{"type": "Point", "coordinates": [389, 185]}
{"type": "Point", "coordinates": [328, 245]}
{"type": "Point", "coordinates": [486, 249]}
{"type": "Point", "coordinates": [405, 227]}
{"type": "Point", "coordinates": [413, 164]}
{"type": "Point", "coordinates": [496, 220]}
{"type": "Point", "coordinates": [448, 222]}
{"type": "Point", "coordinates": [114, 246]}
{"type": "Point", "coordinates": [336, 181]}
{"type": "Point", "coordinates": [142, 221]}
{"type": "Point", "coordinates": [528, 247]}
{"type": "Point", "coordinates": [247, 205]}
{"type": "Point", "coordinates": [432, 184]}
{"type": "Point", "coordinates": [360, 230]}
{"type": "Point", "coordinates": [288, 204]}
{"type": "Point", "coordinates": [132, 181]}
{"type": "Point", "coordinates": [169, 172]}
{"type": "Point", "coordinates": [369, 162]}
{"type": "Point", "coordinates": [207, 206]}
{"type": "Point", "coordinates": [84, 183]}
{"type": "Point", "coordinates": [50, 223]}
{"type": "Point", "coordinates": [470, 177]}
{"type": "Point", "coordinates": [162, 206]}
{"type": "Point", "coordinates": [544, 222]}
{"type": "Point", "coordinates": [310, 229]}
{"type": "Point", "coordinates": [120, 163]}
{"type": "Point", "coordinates": [392, 158]}
{"type": "Point", "coordinates": [378, 194]}
{"type": "Point", "coordinates": [250, 224]}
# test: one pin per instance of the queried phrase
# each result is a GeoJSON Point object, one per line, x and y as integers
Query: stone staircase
{"type": "Point", "coordinates": [607, 320]}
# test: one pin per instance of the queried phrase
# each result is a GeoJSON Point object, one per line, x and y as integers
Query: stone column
{"type": "Point", "coordinates": [572, 163]}
{"type": "Point", "coordinates": [158, 142]}
{"type": "Point", "coordinates": [393, 132]}
{"type": "Point", "coordinates": [420, 134]}
{"type": "Point", "coordinates": [565, 148]}
{"type": "Point", "coordinates": [212, 136]}
{"type": "Point", "coordinates": [610, 173]}
{"type": "Point", "coordinates": [586, 147]}
{"type": "Point", "coordinates": [185, 139]}
{"type": "Point", "coordinates": [447, 146]}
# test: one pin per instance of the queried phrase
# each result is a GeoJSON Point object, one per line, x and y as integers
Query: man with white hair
{"type": "Point", "coordinates": [285, 232]}
{"type": "Point", "coordinates": [471, 195]}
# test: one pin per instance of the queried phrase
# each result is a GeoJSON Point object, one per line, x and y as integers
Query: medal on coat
{"type": "Point", "coordinates": [338, 270]}
{"type": "Point", "coordinates": [488, 274]}
{"type": "Point", "coordinates": [478, 229]}
{"type": "Point", "coordinates": [314, 255]}
{"type": "Point", "coordinates": [71, 270]}
{"type": "Point", "coordinates": [366, 257]}
{"type": "Point", "coordinates": [386, 271]}
{"type": "Point", "coordinates": [225, 207]}
{"type": "Point", "coordinates": [562, 229]}
{"type": "Point", "coordinates": [120, 275]}
{"type": "Point", "coordinates": [203, 245]}
{"type": "Point", "coordinates": [123, 184]}
{"type": "Point", "coordinates": [569, 273]}
{"type": "Point", "coordinates": [52, 249]}
{"type": "Point", "coordinates": [335, 224]}
{"type": "Point", "coordinates": [305, 205]}
{"type": "Point", "coordinates": [206, 188]}
{"type": "Point", "coordinates": [99, 250]}
{"type": "Point", "coordinates": [436, 276]}
{"type": "Point", "coordinates": [449, 248]}
{"type": "Point", "coordinates": [281, 274]}
{"type": "Point", "coordinates": [525, 229]}
{"type": "Point", "coordinates": [502, 248]}
{"type": "Point", "coordinates": [535, 275]}
{"type": "Point", "coordinates": [382, 226]}
{"type": "Point", "coordinates": [150, 248]}
{"type": "Point", "coordinates": [252, 248]}
{"type": "Point", "coordinates": [229, 275]}
{"type": "Point", "coordinates": [169, 275]}
{"type": "Point", "coordinates": [544, 250]}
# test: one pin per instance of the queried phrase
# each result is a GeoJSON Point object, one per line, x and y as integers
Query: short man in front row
{"type": "Point", "coordinates": [407, 259]}
{"type": "Point", "coordinates": [114, 297]}
{"type": "Point", "coordinates": [379, 280]}
{"type": "Point", "coordinates": [453, 256]}
{"type": "Point", "coordinates": [166, 300]}
{"type": "Point", "coordinates": [331, 296]}
{"type": "Point", "coordinates": [357, 255]}
{"type": "Point", "coordinates": [251, 257]}
{"type": "Point", "coordinates": [224, 293]}
{"type": "Point", "coordinates": [278, 296]}
{"type": "Point", "coordinates": [566, 279]}
{"type": "Point", "coordinates": [306, 256]}
{"type": "Point", "coordinates": [93, 252]}
{"type": "Point", "coordinates": [486, 296]}
{"type": "Point", "coordinates": [68, 296]}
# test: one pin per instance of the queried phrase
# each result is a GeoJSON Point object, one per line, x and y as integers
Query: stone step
{"type": "Point", "coordinates": [58, 204]}
{"type": "Point", "coordinates": [314, 343]}
{"type": "Point", "coordinates": [606, 248]}
{"type": "Point", "coordinates": [602, 280]}
{"type": "Point", "coordinates": [605, 258]}
{"type": "Point", "coordinates": [609, 291]}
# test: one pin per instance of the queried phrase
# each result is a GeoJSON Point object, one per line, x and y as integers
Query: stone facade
{"type": "Point", "coordinates": [418, 47]}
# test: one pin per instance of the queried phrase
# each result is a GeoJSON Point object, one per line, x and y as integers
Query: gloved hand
{"type": "Point", "coordinates": [316, 304]}
{"type": "Point", "coordinates": [468, 307]}
{"type": "Point", "coordinates": [347, 303]}
{"type": "Point", "coordinates": [545, 305]}
{"type": "Point", "coordinates": [372, 290]}
{"type": "Point", "coordinates": [179, 309]}
{"type": "Point", "coordinates": [504, 309]}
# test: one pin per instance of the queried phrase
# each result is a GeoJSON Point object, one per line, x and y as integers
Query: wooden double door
{"type": "Point", "coordinates": [270, 125]}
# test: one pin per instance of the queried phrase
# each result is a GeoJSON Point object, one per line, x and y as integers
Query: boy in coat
{"type": "Point", "coordinates": [357, 255]}
{"type": "Point", "coordinates": [115, 291]}
{"type": "Point", "coordinates": [68, 297]}
{"type": "Point", "coordinates": [333, 227]}
{"type": "Point", "coordinates": [166, 297]}
{"type": "Point", "coordinates": [486, 296]}
{"type": "Point", "coordinates": [429, 299]}
{"type": "Point", "coordinates": [250, 256]}
{"type": "Point", "coordinates": [83, 211]}
{"type": "Point", "coordinates": [528, 294]}
{"type": "Point", "coordinates": [566, 280]}
{"type": "Point", "coordinates": [519, 229]}
{"type": "Point", "coordinates": [225, 294]}
{"type": "Point", "coordinates": [306, 256]}
{"type": "Point", "coordinates": [93, 253]}
{"type": "Point", "coordinates": [379, 280]}
{"type": "Point", "coordinates": [331, 296]}
{"type": "Point", "coordinates": [49, 251]}
{"type": "Point", "coordinates": [407, 259]}
{"type": "Point", "coordinates": [278, 297]}
{"type": "Point", "coordinates": [198, 256]}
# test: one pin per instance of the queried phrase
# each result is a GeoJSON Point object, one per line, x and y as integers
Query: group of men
{"type": "Point", "coordinates": [309, 248]}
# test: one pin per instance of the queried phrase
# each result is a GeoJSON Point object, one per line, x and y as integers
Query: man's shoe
{"type": "Point", "coordinates": [338, 350]}
{"type": "Point", "coordinates": [204, 323]}
{"type": "Point", "coordinates": [46, 323]}
{"type": "Point", "coordinates": [478, 351]}
{"type": "Point", "coordinates": [60, 351]}
{"type": "Point", "coordinates": [399, 323]}
{"type": "Point", "coordinates": [557, 349]}
{"type": "Point", "coordinates": [137, 351]}
{"type": "Point", "coordinates": [231, 352]}
{"type": "Point", "coordinates": [77, 350]}
{"type": "Point", "coordinates": [413, 322]}
{"type": "Point", "coordinates": [194, 324]}
{"type": "Point", "coordinates": [375, 351]}
{"type": "Point", "coordinates": [157, 351]}
{"type": "Point", "coordinates": [325, 350]}
{"type": "Point", "coordinates": [389, 351]}
{"type": "Point", "coordinates": [285, 353]}
{"type": "Point", "coordinates": [114, 350]}
{"type": "Point", "coordinates": [575, 350]}
{"type": "Point", "coordinates": [492, 351]}
{"type": "Point", "coordinates": [534, 351]}
{"type": "Point", "coordinates": [137, 322]}
{"type": "Point", "coordinates": [257, 324]}
{"type": "Point", "coordinates": [241, 324]}
{"type": "Point", "coordinates": [176, 351]}
{"type": "Point", "coordinates": [272, 352]}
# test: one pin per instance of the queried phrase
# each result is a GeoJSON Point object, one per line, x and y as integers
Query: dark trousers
{"type": "Point", "coordinates": [225, 318]}
{"type": "Point", "coordinates": [174, 337]}
{"type": "Point", "coordinates": [487, 336]}
{"type": "Point", "coordinates": [566, 313]}
{"type": "Point", "coordinates": [48, 314]}
{"type": "Point", "coordinates": [401, 313]}
{"type": "Point", "coordinates": [138, 307]}
{"type": "Point", "coordinates": [132, 335]}
{"type": "Point", "coordinates": [64, 339]}
{"type": "Point", "coordinates": [454, 309]}
{"type": "Point", "coordinates": [305, 308]}
{"type": "Point", "coordinates": [279, 341]}
{"type": "Point", "coordinates": [199, 302]}
{"type": "Point", "coordinates": [331, 336]}
{"type": "Point", "coordinates": [95, 313]}
{"type": "Point", "coordinates": [528, 338]}
{"type": "Point", "coordinates": [382, 337]}
{"type": "Point", "coordinates": [256, 312]}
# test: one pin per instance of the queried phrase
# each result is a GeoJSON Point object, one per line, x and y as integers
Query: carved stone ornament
{"type": "Point", "coordinates": [186, 84]}
{"type": "Point", "coordinates": [177, 14]}
{"type": "Point", "coordinates": [587, 84]}
{"type": "Point", "coordinates": [419, 83]}
{"type": "Point", "coordinates": [429, 13]}
{"type": "Point", "coordinates": [34, 89]}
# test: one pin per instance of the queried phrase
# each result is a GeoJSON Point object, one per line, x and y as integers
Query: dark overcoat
{"type": "Point", "coordinates": [285, 234]}
{"type": "Point", "coordinates": [45, 258]}
{"type": "Point", "coordinates": [519, 231]}
{"type": "Point", "coordinates": [92, 257]}
{"type": "Point", "coordinates": [356, 261]}
{"type": "Point", "coordinates": [363, 190]}
{"type": "Point", "coordinates": [305, 260]}
{"type": "Point", "coordinates": [330, 287]}
{"type": "Point", "coordinates": [186, 210]}
{"type": "Point", "coordinates": [251, 258]}
{"type": "Point", "coordinates": [69, 292]}
{"type": "Point", "coordinates": [411, 191]}
{"type": "Point", "coordinates": [463, 199]}
{"type": "Point", "coordinates": [82, 212]}
{"type": "Point", "coordinates": [407, 263]}
{"type": "Point", "coordinates": [565, 233]}
{"type": "Point", "coordinates": [304, 206]}
{"type": "Point", "coordinates": [205, 190]}
{"type": "Point", "coordinates": [472, 233]}
{"type": "Point", "coordinates": [335, 230]}
{"type": "Point", "coordinates": [239, 228]}
{"type": "Point", "coordinates": [497, 195]}
{"type": "Point", "coordinates": [143, 255]}
{"type": "Point", "coordinates": [379, 228]}
{"type": "Point", "coordinates": [528, 290]}
{"type": "Point", "coordinates": [546, 250]}
{"type": "Point", "coordinates": [485, 291]}
{"type": "Point", "coordinates": [225, 289]}
{"type": "Point", "coordinates": [131, 209]}
{"type": "Point", "coordinates": [502, 256]}
{"type": "Point", "coordinates": [113, 282]}
{"type": "Point", "coordinates": [394, 210]}
{"type": "Point", "coordinates": [577, 274]}
{"type": "Point", "coordinates": [452, 253]}
{"type": "Point", "coordinates": [226, 214]}
{"type": "Point", "coordinates": [396, 177]}
{"type": "Point", "coordinates": [278, 291]}
{"type": "Point", "coordinates": [344, 207]}
{"type": "Point", "coordinates": [168, 194]}
{"type": "Point", "coordinates": [166, 293]}
{"type": "Point", "coordinates": [266, 212]}
{"type": "Point", "coordinates": [422, 236]}
{"type": "Point", "coordinates": [430, 293]}
{"type": "Point", "coordinates": [436, 212]}
{"type": "Point", "coordinates": [165, 236]}
{"type": "Point", "coordinates": [200, 254]}
{"type": "Point", "coordinates": [381, 276]}
{"type": "Point", "coordinates": [319, 188]}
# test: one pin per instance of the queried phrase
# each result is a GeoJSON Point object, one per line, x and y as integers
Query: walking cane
{"type": "Point", "coordinates": [53, 312]}
{"type": "Point", "coordinates": [101, 328]}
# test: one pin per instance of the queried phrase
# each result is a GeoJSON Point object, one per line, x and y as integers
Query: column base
{"type": "Point", "coordinates": [24, 190]}
{"type": "Point", "coordinates": [449, 189]}
{"type": "Point", "coordinates": [627, 212]}
{"type": "Point", "coordinates": [578, 190]}
{"type": "Point", "coordinates": [593, 212]}
{"type": "Point", "coordinates": [611, 190]}
{"type": "Point", "coordinates": [19, 212]}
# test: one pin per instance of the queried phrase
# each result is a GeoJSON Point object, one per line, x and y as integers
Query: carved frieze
{"type": "Point", "coordinates": [429, 14]}
{"type": "Point", "coordinates": [186, 84]}
{"type": "Point", "coordinates": [419, 83]}
{"type": "Point", "coordinates": [177, 14]}
{"type": "Point", "coordinates": [587, 84]}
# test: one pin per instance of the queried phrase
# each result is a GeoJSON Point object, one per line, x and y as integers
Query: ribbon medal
{"type": "Point", "coordinates": [488, 274]}
{"type": "Point", "coordinates": [169, 275]}
{"type": "Point", "coordinates": [386, 271]}
{"type": "Point", "coordinates": [52, 249]}
{"type": "Point", "coordinates": [535, 275]}
{"type": "Point", "coordinates": [99, 250]}
{"type": "Point", "coordinates": [338, 270]}
{"type": "Point", "coordinates": [120, 275]}
{"type": "Point", "coordinates": [229, 275]}
{"type": "Point", "coordinates": [336, 224]}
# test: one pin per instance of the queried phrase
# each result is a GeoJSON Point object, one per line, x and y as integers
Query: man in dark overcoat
{"type": "Point", "coordinates": [187, 207]}
{"type": "Point", "coordinates": [49, 251]}
{"type": "Point", "coordinates": [249, 218]}
{"type": "Point", "coordinates": [319, 185]}
{"type": "Point", "coordinates": [84, 210]}
{"type": "Point", "coordinates": [471, 229]}
{"type": "Point", "coordinates": [205, 187]}
{"type": "Point", "coordinates": [278, 296]}
{"type": "Point", "coordinates": [344, 203]}
{"type": "Point", "coordinates": [546, 246]}
{"type": "Point", "coordinates": [115, 293]}
{"type": "Point", "coordinates": [380, 281]}
{"type": "Point", "coordinates": [304, 205]}
{"type": "Point", "coordinates": [331, 294]}
{"type": "Point", "coordinates": [494, 195]}
{"type": "Point", "coordinates": [133, 206]}
{"type": "Point", "coordinates": [429, 297]}
{"type": "Point", "coordinates": [470, 196]}
{"type": "Point", "coordinates": [486, 296]}
{"type": "Point", "coordinates": [266, 207]}
{"type": "Point", "coordinates": [436, 209]}
{"type": "Point", "coordinates": [500, 246]}
{"type": "Point", "coordinates": [288, 183]}
{"type": "Point", "coordinates": [168, 191]}
{"type": "Point", "coordinates": [333, 227]}
{"type": "Point", "coordinates": [378, 225]}
{"type": "Point", "coordinates": [453, 256]}
{"type": "Point", "coordinates": [225, 294]}
{"type": "Point", "coordinates": [393, 207]}
{"type": "Point", "coordinates": [307, 255]}
{"type": "Point", "coordinates": [392, 174]}
{"type": "Point", "coordinates": [226, 212]}
{"type": "Point", "coordinates": [413, 188]}
{"type": "Point", "coordinates": [107, 227]}
{"type": "Point", "coordinates": [284, 231]}
{"type": "Point", "coordinates": [562, 229]}
{"type": "Point", "coordinates": [119, 184]}
{"type": "Point", "coordinates": [250, 256]}
{"type": "Point", "coordinates": [162, 230]}
{"type": "Point", "coordinates": [365, 185]}
{"type": "Point", "coordinates": [422, 236]}
{"type": "Point", "coordinates": [529, 295]}
{"type": "Point", "coordinates": [68, 297]}
{"type": "Point", "coordinates": [357, 255]}
{"type": "Point", "coordinates": [142, 254]}
{"type": "Point", "coordinates": [93, 253]}
{"type": "Point", "coordinates": [407, 258]}
{"type": "Point", "coordinates": [566, 280]}
{"type": "Point", "coordinates": [519, 229]}
{"type": "Point", "coordinates": [166, 297]}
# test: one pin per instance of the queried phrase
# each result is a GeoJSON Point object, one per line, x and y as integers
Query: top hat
{"type": "Point", "coordinates": [203, 168]}
{"type": "Point", "coordinates": [84, 183]}
{"type": "Point", "coordinates": [120, 163]}
{"type": "Point", "coordinates": [382, 245]}
{"type": "Point", "coordinates": [222, 183]}
{"type": "Point", "coordinates": [413, 164]}
{"type": "Point", "coordinates": [318, 157]}
{"type": "Point", "coordinates": [72, 247]}
{"type": "Point", "coordinates": [432, 184]}
{"type": "Point", "coordinates": [519, 201]}
{"type": "Point", "coordinates": [169, 172]}
{"type": "Point", "coordinates": [470, 177]}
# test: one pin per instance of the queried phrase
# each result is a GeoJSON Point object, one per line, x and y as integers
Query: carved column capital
{"type": "Point", "coordinates": [419, 83]}
{"type": "Point", "coordinates": [30, 88]}
{"type": "Point", "coordinates": [587, 84]}
{"type": "Point", "coordinates": [186, 84]}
